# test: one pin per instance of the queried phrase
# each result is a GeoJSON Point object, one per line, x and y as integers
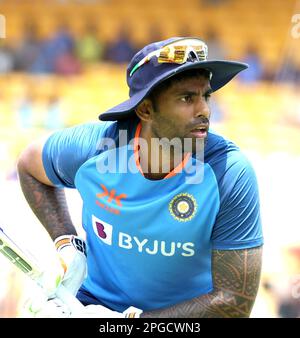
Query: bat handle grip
{"type": "Point", "coordinates": [69, 299]}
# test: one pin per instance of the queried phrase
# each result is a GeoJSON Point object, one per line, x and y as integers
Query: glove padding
{"type": "Point", "coordinates": [72, 253]}
{"type": "Point", "coordinates": [53, 308]}
{"type": "Point", "coordinates": [69, 269]}
{"type": "Point", "coordinates": [39, 306]}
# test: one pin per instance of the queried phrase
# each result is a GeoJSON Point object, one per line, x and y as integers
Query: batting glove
{"type": "Point", "coordinates": [39, 306]}
{"type": "Point", "coordinates": [53, 308]}
{"type": "Point", "coordinates": [72, 253]}
{"type": "Point", "coordinates": [70, 269]}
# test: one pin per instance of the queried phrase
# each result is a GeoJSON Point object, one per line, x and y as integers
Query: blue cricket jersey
{"type": "Point", "coordinates": [150, 242]}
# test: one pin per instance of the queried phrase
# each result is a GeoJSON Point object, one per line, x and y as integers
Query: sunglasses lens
{"type": "Point", "coordinates": [164, 55]}
{"type": "Point", "coordinates": [201, 53]}
{"type": "Point", "coordinates": [174, 54]}
{"type": "Point", "coordinates": [180, 54]}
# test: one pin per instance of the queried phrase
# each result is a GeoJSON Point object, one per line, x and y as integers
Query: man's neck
{"type": "Point", "coordinates": [157, 162]}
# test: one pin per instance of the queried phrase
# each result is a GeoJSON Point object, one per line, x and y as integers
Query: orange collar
{"type": "Point", "coordinates": [175, 171]}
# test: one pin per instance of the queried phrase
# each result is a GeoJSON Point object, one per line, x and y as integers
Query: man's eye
{"type": "Point", "coordinates": [187, 98]}
{"type": "Point", "coordinates": [207, 97]}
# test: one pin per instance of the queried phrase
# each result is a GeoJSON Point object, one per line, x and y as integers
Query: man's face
{"type": "Point", "coordinates": [182, 111]}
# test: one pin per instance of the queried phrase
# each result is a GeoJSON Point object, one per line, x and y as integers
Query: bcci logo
{"type": "Point", "coordinates": [183, 207]}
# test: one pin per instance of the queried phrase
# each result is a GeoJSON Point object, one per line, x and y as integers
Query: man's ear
{"type": "Point", "coordinates": [145, 110]}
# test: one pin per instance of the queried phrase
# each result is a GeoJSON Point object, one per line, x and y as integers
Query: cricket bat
{"type": "Point", "coordinates": [28, 265]}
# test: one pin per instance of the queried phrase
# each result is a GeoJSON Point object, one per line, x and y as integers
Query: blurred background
{"type": "Point", "coordinates": [63, 62]}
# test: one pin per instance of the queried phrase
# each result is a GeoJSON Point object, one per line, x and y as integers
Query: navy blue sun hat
{"type": "Point", "coordinates": [142, 79]}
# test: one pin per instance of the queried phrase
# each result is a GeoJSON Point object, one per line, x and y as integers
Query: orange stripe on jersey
{"type": "Point", "coordinates": [136, 147]}
{"type": "Point", "coordinates": [175, 171]}
{"type": "Point", "coordinates": [180, 166]}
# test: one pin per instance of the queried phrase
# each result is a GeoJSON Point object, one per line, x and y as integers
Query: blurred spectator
{"type": "Point", "coordinates": [288, 72]}
{"type": "Point", "coordinates": [64, 2]}
{"type": "Point", "coordinates": [54, 116]}
{"type": "Point", "coordinates": [67, 64]}
{"type": "Point", "coordinates": [286, 305]}
{"type": "Point", "coordinates": [121, 50]}
{"type": "Point", "coordinates": [61, 43]}
{"type": "Point", "coordinates": [154, 34]}
{"type": "Point", "coordinates": [88, 47]}
{"type": "Point", "coordinates": [28, 50]}
{"type": "Point", "coordinates": [6, 58]}
{"type": "Point", "coordinates": [213, 2]}
{"type": "Point", "coordinates": [216, 50]}
{"type": "Point", "coordinates": [255, 70]}
{"type": "Point", "coordinates": [289, 308]}
{"type": "Point", "coordinates": [63, 40]}
{"type": "Point", "coordinates": [269, 72]}
{"type": "Point", "coordinates": [25, 109]}
{"type": "Point", "coordinates": [183, 30]}
{"type": "Point", "coordinates": [286, 291]}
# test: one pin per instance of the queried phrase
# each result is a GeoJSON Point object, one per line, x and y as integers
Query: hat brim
{"type": "Point", "coordinates": [222, 73]}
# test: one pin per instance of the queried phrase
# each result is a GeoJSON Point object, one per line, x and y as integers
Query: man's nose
{"type": "Point", "coordinates": [201, 108]}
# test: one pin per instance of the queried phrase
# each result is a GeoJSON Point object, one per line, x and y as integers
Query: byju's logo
{"type": "Point", "coordinates": [2, 27]}
{"type": "Point", "coordinates": [110, 198]}
{"type": "Point", "coordinates": [103, 230]}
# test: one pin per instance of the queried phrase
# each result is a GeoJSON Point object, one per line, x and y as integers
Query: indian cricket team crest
{"type": "Point", "coordinates": [183, 207]}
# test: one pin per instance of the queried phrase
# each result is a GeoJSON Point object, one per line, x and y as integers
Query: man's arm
{"type": "Point", "coordinates": [236, 276]}
{"type": "Point", "coordinates": [46, 201]}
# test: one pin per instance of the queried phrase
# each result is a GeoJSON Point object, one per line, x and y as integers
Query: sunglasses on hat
{"type": "Point", "coordinates": [178, 52]}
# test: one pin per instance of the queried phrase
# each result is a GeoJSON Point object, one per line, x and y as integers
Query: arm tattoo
{"type": "Point", "coordinates": [236, 275]}
{"type": "Point", "coordinates": [49, 205]}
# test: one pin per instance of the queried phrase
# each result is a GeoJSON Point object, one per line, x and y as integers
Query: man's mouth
{"type": "Point", "coordinates": [200, 131]}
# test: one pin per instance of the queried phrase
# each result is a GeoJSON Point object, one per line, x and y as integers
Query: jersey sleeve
{"type": "Point", "coordinates": [66, 150]}
{"type": "Point", "coordinates": [238, 223]}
